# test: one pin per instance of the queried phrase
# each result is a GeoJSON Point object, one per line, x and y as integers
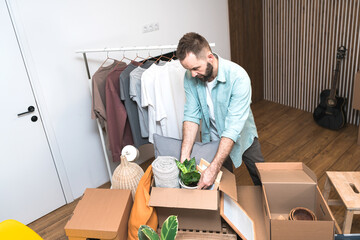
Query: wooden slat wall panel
{"type": "Point", "coordinates": [246, 41]}
{"type": "Point", "coordinates": [301, 38]}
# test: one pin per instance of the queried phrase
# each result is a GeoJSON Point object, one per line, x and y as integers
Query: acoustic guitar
{"type": "Point", "coordinates": [330, 113]}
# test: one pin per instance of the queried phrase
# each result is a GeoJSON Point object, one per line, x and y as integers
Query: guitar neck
{"type": "Point", "coordinates": [335, 80]}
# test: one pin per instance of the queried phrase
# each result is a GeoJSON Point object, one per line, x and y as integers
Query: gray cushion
{"type": "Point", "coordinates": [166, 146]}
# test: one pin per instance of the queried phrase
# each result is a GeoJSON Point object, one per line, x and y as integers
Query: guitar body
{"type": "Point", "coordinates": [331, 117]}
{"type": "Point", "coordinates": [330, 113]}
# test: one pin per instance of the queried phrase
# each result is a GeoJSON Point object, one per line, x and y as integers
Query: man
{"type": "Point", "coordinates": [217, 91]}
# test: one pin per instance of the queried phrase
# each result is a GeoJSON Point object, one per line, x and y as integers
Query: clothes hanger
{"type": "Point", "coordinates": [173, 56]}
{"type": "Point", "coordinates": [168, 58]}
{"type": "Point", "coordinates": [158, 59]}
{"type": "Point", "coordinates": [162, 57]}
{"type": "Point", "coordinates": [149, 57]}
{"type": "Point", "coordinates": [107, 58]}
{"type": "Point", "coordinates": [125, 58]}
{"type": "Point", "coordinates": [137, 56]}
{"type": "Point", "coordinates": [121, 61]}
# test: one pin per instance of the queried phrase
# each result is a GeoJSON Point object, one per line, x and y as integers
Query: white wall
{"type": "Point", "coordinates": [51, 31]}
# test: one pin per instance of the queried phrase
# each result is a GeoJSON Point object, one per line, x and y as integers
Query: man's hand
{"type": "Point", "coordinates": [208, 177]}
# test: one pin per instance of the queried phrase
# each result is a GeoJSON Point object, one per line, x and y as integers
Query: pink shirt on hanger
{"type": "Point", "coordinates": [119, 131]}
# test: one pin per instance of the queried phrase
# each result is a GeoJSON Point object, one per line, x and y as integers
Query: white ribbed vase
{"type": "Point", "coordinates": [127, 176]}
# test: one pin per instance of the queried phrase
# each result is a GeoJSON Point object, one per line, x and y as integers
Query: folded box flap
{"type": "Point", "coordinates": [228, 183]}
{"type": "Point", "coordinates": [290, 172]}
{"type": "Point", "coordinates": [184, 198]}
{"type": "Point", "coordinates": [250, 199]}
{"type": "Point", "coordinates": [237, 217]}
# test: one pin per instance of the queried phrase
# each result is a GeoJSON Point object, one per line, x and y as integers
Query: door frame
{"type": "Point", "coordinates": [39, 99]}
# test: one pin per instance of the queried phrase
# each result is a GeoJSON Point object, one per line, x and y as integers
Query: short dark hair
{"type": "Point", "coordinates": [191, 42]}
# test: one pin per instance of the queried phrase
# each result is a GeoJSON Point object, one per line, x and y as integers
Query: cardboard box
{"type": "Point", "coordinates": [289, 185]}
{"type": "Point", "coordinates": [196, 209]}
{"type": "Point", "coordinates": [101, 214]}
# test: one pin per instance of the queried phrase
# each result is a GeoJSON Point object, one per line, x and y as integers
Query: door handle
{"type": "Point", "coordinates": [30, 110]}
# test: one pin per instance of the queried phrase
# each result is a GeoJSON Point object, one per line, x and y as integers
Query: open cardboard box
{"type": "Point", "coordinates": [289, 185]}
{"type": "Point", "coordinates": [196, 209]}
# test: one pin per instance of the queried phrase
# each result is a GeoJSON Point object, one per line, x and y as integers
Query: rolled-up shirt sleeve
{"type": "Point", "coordinates": [192, 108]}
{"type": "Point", "coordinates": [239, 107]}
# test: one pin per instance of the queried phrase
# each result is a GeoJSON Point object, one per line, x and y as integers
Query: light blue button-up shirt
{"type": "Point", "coordinates": [231, 97]}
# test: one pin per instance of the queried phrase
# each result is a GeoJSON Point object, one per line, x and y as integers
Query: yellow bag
{"type": "Point", "coordinates": [13, 230]}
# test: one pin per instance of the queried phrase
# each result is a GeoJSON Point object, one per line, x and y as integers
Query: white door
{"type": "Point", "coordinates": [29, 183]}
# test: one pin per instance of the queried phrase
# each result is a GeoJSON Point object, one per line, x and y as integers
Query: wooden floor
{"type": "Point", "coordinates": [286, 135]}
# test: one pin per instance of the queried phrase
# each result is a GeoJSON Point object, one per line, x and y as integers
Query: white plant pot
{"type": "Point", "coordinates": [184, 186]}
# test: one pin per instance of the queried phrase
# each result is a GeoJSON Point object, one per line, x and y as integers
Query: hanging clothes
{"type": "Point", "coordinates": [98, 107]}
{"type": "Point", "coordinates": [162, 92]}
{"type": "Point", "coordinates": [130, 106]}
{"type": "Point", "coordinates": [119, 131]}
{"type": "Point", "coordinates": [135, 95]}
{"type": "Point", "coordinates": [156, 114]}
{"type": "Point", "coordinates": [171, 92]}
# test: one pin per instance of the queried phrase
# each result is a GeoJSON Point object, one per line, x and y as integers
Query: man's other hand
{"type": "Point", "coordinates": [207, 177]}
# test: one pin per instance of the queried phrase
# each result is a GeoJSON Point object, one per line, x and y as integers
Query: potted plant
{"type": "Point", "coordinates": [189, 176]}
{"type": "Point", "coordinates": [169, 230]}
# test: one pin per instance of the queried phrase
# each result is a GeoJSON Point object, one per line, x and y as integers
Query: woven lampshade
{"type": "Point", "coordinates": [127, 176]}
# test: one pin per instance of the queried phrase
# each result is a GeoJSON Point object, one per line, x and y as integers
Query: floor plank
{"type": "Point", "coordinates": [285, 134]}
{"type": "Point", "coordinates": [332, 152]}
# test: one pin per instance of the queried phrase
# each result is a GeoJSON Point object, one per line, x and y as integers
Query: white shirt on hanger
{"type": "Point", "coordinates": [162, 91]}
{"type": "Point", "coordinates": [170, 91]}
{"type": "Point", "coordinates": [156, 113]}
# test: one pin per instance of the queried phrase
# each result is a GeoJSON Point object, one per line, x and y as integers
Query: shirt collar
{"type": "Point", "coordinates": [220, 75]}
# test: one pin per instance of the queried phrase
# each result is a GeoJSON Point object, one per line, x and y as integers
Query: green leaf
{"type": "Point", "coordinates": [181, 166]}
{"type": "Point", "coordinates": [169, 228]}
{"type": "Point", "coordinates": [190, 164]}
{"type": "Point", "coordinates": [146, 232]}
{"type": "Point", "coordinates": [141, 235]}
{"type": "Point", "coordinates": [190, 178]}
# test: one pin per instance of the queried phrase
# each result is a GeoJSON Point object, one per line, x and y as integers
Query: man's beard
{"type": "Point", "coordinates": [208, 73]}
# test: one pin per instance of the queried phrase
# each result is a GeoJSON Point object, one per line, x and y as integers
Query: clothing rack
{"type": "Point", "coordinates": [121, 49]}
{"type": "Point", "coordinates": [124, 49]}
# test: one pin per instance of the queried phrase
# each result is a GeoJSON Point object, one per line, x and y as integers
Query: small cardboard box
{"type": "Point", "coordinates": [196, 209]}
{"type": "Point", "coordinates": [289, 185]}
{"type": "Point", "coordinates": [101, 214]}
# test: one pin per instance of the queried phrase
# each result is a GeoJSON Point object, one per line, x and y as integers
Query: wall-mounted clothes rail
{"type": "Point", "coordinates": [124, 49]}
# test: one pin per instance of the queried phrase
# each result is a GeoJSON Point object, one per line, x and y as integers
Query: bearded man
{"type": "Point", "coordinates": [218, 92]}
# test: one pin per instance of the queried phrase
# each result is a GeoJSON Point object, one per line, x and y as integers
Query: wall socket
{"type": "Point", "coordinates": [150, 27]}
